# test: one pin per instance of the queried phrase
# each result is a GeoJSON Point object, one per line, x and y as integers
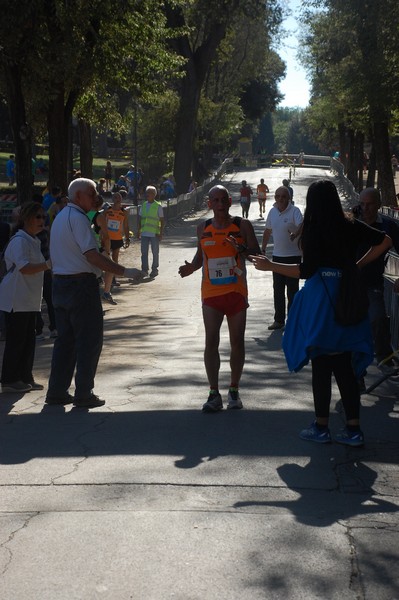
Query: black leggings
{"type": "Point", "coordinates": [339, 365]}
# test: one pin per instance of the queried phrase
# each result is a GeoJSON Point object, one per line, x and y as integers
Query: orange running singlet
{"type": "Point", "coordinates": [223, 268]}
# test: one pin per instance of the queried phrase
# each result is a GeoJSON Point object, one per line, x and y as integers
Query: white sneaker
{"type": "Point", "coordinates": [234, 400]}
{"type": "Point", "coordinates": [213, 404]}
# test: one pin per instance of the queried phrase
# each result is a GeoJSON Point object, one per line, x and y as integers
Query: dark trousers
{"type": "Point", "coordinates": [19, 351]}
{"type": "Point", "coordinates": [339, 365]}
{"type": "Point", "coordinates": [280, 284]}
{"type": "Point", "coordinates": [79, 320]}
{"type": "Point", "coordinates": [48, 297]}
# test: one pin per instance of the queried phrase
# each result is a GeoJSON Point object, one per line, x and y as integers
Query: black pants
{"type": "Point", "coordinates": [339, 365]}
{"type": "Point", "coordinates": [280, 283]}
{"type": "Point", "coordinates": [48, 297]}
{"type": "Point", "coordinates": [19, 351]}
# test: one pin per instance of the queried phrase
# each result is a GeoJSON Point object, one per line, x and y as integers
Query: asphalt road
{"type": "Point", "coordinates": [147, 498]}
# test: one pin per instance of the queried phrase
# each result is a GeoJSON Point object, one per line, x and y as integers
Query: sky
{"type": "Point", "coordinates": [295, 87]}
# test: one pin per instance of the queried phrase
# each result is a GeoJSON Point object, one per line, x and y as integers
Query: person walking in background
{"type": "Point", "coordinates": [44, 237]}
{"type": "Point", "coordinates": [151, 225]}
{"type": "Point", "coordinates": [329, 239]}
{"type": "Point", "coordinates": [290, 189]}
{"type": "Point", "coordinates": [21, 298]}
{"type": "Point", "coordinates": [118, 233]}
{"type": "Point", "coordinates": [108, 176]}
{"type": "Point", "coordinates": [283, 222]}
{"type": "Point", "coordinates": [245, 198]}
{"type": "Point", "coordinates": [223, 243]}
{"type": "Point", "coordinates": [373, 274]}
{"type": "Point", "coordinates": [5, 233]}
{"type": "Point", "coordinates": [77, 265]}
{"type": "Point", "coordinates": [394, 163]}
{"type": "Point", "coordinates": [262, 190]}
{"type": "Point", "coordinates": [10, 169]}
{"type": "Point", "coordinates": [51, 197]}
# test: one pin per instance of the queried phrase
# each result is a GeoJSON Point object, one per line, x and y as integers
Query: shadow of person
{"type": "Point", "coordinates": [7, 402]}
{"type": "Point", "coordinates": [352, 495]}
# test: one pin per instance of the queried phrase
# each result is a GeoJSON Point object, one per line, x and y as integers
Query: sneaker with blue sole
{"type": "Point", "coordinates": [350, 438]}
{"type": "Point", "coordinates": [314, 434]}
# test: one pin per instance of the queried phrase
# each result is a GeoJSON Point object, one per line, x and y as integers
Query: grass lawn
{"type": "Point", "coordinates": [41, 178]}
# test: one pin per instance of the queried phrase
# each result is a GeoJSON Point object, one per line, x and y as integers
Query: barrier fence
{"type": "Point", "coordinates": [185, 203]}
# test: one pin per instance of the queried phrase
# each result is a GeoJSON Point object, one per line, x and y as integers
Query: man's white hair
{"type": "Point", "coordinates": [79, 185]}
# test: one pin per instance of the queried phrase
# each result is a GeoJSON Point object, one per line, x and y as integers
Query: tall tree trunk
{"type": "Point", "coordinates": [372, 168]}
{"type": "Point", "coordinates": [57, 126]}
{"type": "Point", "coordinates": [351, 161]}
{"type": "Point", "coordinates": [342, 144]}
{"type": "Point", "coordinates": [186, 119]}
{"type": "Point", "coordinates": [197, 64]}
{"type": "Point", "coordinates": [359, 152]}
{"type": "Point", "coordinates": [86, 153]}
{"type": "Point", "coordinates": [22, 132]}
{"type": "Point", "coordinates": [383, 160]}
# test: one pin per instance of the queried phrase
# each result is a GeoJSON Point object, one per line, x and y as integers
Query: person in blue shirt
{"type": "Point", "coordinates": [10, 169]}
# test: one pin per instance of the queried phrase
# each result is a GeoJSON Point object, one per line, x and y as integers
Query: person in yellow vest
{"type": "Point", "coordinates": [118, 233]}
{"type": "Point", "coordinates": [151, 224]}
{"type": "Point", "coordinates": [223, 244]}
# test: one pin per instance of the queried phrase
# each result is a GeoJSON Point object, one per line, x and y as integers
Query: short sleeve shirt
{"type": "Point", "coordinates": [71, 237]}
{"type": "Point", "coordinates": [281, 225]}
{"type": "Point", "coordinates": [20, 292]}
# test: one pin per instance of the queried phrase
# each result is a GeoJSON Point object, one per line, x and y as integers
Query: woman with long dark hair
{"type": "Point", "coordinates": [329, 241]}
{"type": "Point", "coordinates": [21, 297]}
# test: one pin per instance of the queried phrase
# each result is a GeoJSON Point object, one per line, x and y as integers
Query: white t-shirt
{"type": "Point", "coordinates": [144, 209]}
{"type": "Point", "coordinates": [19, 292]}
{"type": "Point", "coordinates": [71, 237]}
{"type": "Point", "coordinates": [281, 224]}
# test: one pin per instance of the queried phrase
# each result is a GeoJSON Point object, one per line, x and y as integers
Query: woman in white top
{"type": "Point", "coordinates": [21, 297]}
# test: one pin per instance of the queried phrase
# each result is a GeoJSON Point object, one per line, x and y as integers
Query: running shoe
{"type": "Point", "coordinates": [234, 400]}
{"type": "Point", "coordinates": [350, 438]}
{"type": "Point", "coordinates": [314, 434]}
{"type": "Point", "coordinates": [213, 404]}
{"type": "Point", "coordinates": [108, 298]}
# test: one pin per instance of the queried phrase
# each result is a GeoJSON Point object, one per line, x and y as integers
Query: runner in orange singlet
{"type": "Point", "coordinates": [223, 244]}
{"type": "Point", "coordinates": [261, 191]}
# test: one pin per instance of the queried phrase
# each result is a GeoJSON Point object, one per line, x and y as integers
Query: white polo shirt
{"type": "Point", "coordinates": [281, 224]}
{"type": "Point", "coordinates": [72, 236]}
{"type": "Point", "coordinates": [19, 292]}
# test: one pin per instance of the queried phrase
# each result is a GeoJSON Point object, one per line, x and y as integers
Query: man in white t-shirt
{"type": "Point", "coordinates": [284, 223]}
{"type": "Point", "coordinates": [77, 265]}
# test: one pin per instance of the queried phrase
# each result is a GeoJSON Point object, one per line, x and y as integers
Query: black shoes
{"type": "Point", "coordinates": [92, 401]}
{"type": "Point", "coordinates": [60, 400]}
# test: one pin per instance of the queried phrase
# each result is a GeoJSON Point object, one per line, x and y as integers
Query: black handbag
{"type": "Point", "coordinates": [352, 304]}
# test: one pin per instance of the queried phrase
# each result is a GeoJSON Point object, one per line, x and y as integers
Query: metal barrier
{"type": "Point", "coordinates": [175, 208]}
{"type": "Point", "coordinates": [345, 186]}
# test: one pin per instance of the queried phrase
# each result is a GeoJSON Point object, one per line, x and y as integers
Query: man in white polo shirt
{"type": "Point", "coordinates": [284, 223]}
{"type": "Point", "coordinates": [77, 265]}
